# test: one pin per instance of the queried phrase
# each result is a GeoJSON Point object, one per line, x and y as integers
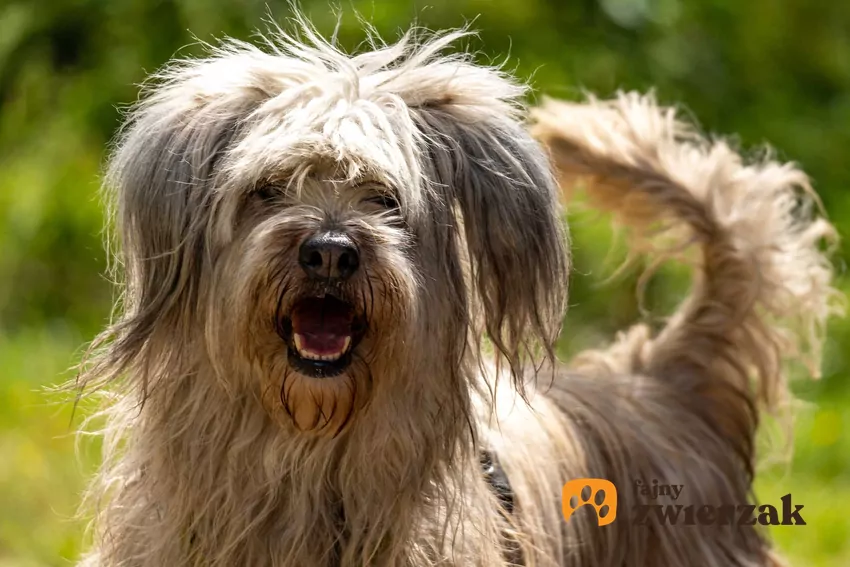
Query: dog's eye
{"type": "Point", "coordinates": [384, 201]}
{"type": "Point", "coordinates": [266, 192]}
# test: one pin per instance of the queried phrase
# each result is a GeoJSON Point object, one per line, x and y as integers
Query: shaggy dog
{"type": "Point", "coordinates": [343, 279]}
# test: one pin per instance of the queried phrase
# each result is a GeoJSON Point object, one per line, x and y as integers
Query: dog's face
{"type": "Point", "coordinates": [320, 274]}
{"type": "Point", "coordinates": [320, 228]}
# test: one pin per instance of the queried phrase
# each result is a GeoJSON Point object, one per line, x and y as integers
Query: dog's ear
{"type": "Point", "coordinates": [501, 182]}
{"type": "Point", "coordinates": [159, 186]}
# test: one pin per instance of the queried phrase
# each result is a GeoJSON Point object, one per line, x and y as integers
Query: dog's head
{"type": "Point", "coordinates": [321, 227]}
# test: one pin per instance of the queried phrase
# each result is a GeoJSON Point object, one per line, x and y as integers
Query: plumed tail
{"type": "Point", "coordinates": [762, 292]}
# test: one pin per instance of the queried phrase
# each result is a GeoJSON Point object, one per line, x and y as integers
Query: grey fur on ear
{"type": "Point", "coordinates": [516, 241]}
{"type": "Point", "coordinates": [160, 186]}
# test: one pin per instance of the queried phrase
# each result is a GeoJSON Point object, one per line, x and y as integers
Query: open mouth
{"type": "Point", "coordinates": [321, 333]}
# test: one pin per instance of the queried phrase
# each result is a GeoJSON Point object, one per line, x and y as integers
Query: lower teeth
{"type": "Point", "coordinates": [299, 347]}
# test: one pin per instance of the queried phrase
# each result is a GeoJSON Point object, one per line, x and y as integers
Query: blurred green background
{"type": "Point", "coordinates": [768, 71]}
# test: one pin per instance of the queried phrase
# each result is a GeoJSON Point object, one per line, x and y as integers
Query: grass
{"type": "Point", "coordinates": [818, 477]}
{"type": "Point", "coordinates": [41, 479]}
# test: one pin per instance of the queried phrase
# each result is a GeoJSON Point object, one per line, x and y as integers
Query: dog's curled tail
{"type": "Point", "coordinates": [763, 289]}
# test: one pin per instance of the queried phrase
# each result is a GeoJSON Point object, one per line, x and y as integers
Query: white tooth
{"type": "Point", "coordinates": [345, 345]}
{"type": "Point", "coordinates": [299, 344]}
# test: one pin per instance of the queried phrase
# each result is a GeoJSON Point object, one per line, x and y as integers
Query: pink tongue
{"type": "Point", "coordinates": [323, 343]}
{"type": "Point", "coordinates": [323, 324]}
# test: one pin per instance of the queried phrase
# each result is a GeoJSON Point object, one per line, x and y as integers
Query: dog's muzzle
{"type": "Point", "coordinates": [330, 256]}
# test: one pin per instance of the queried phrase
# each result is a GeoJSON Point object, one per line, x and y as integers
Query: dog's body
{"type": "Point", "coordinates": [314, 246]}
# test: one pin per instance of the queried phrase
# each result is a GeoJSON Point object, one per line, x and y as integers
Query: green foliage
{"type": "Point", "coordinates": [774, 71]}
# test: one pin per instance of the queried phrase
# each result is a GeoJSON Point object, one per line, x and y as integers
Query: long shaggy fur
{"type": "Point", "coordinates": [219, 452]}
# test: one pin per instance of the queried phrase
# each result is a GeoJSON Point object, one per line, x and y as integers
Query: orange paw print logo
{"type": "Point", "coordinates": [596, 492]}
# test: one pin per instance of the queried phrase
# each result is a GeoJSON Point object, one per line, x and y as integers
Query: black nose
{"type": "Point", "coordinates": [329, 255]}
